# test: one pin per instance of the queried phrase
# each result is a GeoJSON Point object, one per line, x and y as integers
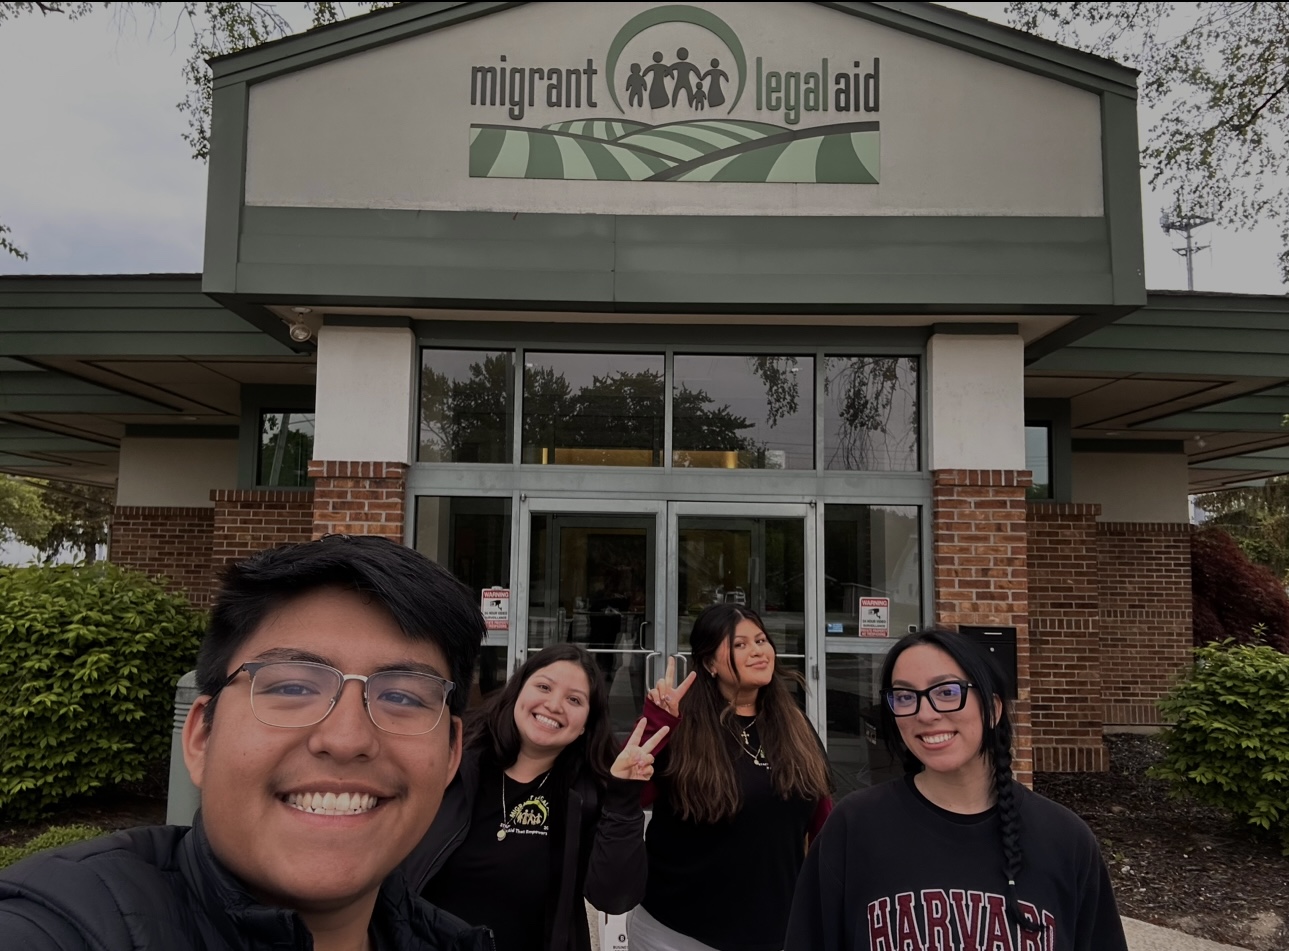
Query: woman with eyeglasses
{"type": "Point", "coordinates": [739, 790]}
{"type": "Point", "coordinates": [544, 811]}
{"type": "Point", "coordinates": [956, 854]}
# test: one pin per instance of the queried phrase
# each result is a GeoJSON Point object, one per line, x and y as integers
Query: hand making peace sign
{"type": "Point", "coordinates": [636, 759]}
{"type": "Point", "coordinates": [666, 694]}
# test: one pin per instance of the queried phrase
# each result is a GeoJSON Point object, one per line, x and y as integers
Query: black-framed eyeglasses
{"type": "Point", "coordinates": [299, 693]}
{"type": "Point", "coordinates": [949, 696]}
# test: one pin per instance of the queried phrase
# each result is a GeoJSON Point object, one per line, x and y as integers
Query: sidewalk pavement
{"type": "Point", "coordinates": [1146, 937]}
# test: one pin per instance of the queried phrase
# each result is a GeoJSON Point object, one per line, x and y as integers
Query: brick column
{"type": "Point", "coordinates": [979, 563]}
{"type": "Point", "coordinates": [1144, 584]}
{"type": "Point", "coordinates": [1064, 626]}
{"type": "Point", "coordinates": [250, 520]}
{"type": "Point", "coordinates": [173, 543]}
{"type": "Point", "coordinates": [359, 498]}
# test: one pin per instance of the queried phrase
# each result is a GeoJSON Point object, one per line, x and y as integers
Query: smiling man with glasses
{"type": "Point", "coordinates": [333, 677]}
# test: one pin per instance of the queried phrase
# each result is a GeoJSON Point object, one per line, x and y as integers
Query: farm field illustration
{"type": "Point", "coordinates": [694, 150]}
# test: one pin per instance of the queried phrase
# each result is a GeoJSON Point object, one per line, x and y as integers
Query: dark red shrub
{"type": "Point", "coordinates": [1234, 598]}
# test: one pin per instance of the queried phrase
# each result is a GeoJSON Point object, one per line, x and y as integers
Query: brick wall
{"type": "Point", "coordinates": [1144, 587]}
{"type": "Point", "coordinates": [172, 542]}
{"type": "Point", "coordinates": [250, 520]}
{"type": "Point", "coordinates": [1064, 626]}
{"type": "Point", "coordinates": [359, 498]}
{"type": "Point", "coordinates": [979, 558]}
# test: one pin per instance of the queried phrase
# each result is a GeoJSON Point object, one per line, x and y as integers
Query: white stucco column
{"type": "Point", "coordinates": [976, 416]}
{"type": "Point", "coordinates": [365, 391]}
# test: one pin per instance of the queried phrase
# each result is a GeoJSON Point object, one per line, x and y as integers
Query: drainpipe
{"type": "Point", "coordinates": [182, 798]}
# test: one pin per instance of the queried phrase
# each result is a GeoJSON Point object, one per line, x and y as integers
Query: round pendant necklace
{"type": "Point", "coordinates": [505, 814]}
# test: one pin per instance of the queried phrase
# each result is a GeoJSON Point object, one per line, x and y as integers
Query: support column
{"type": "Point", "coordinates": [977, 458]}
{"type": "Point", "coordinates": [366, 388]}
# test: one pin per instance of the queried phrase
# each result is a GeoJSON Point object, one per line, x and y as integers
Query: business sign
{"type": "Point", "coordinates": [874, 617]}
{"type": "Point", "coordinates": [652, 109]}
{"type": "Point", "coordinates": [495, 605]}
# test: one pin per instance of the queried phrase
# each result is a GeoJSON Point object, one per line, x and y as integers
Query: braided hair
{"type": "Point", "coordinates": [983, 671]}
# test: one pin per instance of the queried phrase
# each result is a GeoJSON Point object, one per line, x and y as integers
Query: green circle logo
{"type": "Point", "coordinates": [676, 13]}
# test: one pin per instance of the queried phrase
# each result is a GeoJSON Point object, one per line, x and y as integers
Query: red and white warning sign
{"type": "Point", "coordinates": [495, 605]}
{"type": "Point", "coordinates": [874, 617]}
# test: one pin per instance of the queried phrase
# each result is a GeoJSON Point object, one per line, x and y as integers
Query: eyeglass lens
{"type": "Point", "coordinates": [948, 697]}
{"type": "Point", "coordinates": [298, 694]}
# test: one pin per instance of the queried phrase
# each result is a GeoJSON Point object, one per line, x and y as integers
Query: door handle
{"type": "Point", "coordinates": [650, 679]}
{"type": "Point", "coordinates": [641, 643]}
{"type": "Point", "coordinates": [682, 662]}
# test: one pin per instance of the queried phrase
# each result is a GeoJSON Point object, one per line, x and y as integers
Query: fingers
{"type": "Point", "coordinates": [671, 672]}
{"type": "Point", "coordinates": [637, 734]}
{"type": "Point", "coordinates": [654, 740]}
{"type": "Point", "coordinates": [679, 693]}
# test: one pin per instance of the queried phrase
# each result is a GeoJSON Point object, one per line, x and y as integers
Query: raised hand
{"type": "Point", "coordinates": [666, 694]}
{"type": "Point", "coordinates": [636, 759]}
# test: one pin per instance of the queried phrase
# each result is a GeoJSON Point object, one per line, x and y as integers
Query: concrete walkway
{"type": "Point", "coordinates": [1145, 937]}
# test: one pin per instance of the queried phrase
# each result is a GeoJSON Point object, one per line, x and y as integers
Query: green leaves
{"type": "Point", "coordinates": [1229, 745]}
{"type": "Point", "coordinates": [54, 837]}
{"type": "Point", "coordinates": [89, 659]}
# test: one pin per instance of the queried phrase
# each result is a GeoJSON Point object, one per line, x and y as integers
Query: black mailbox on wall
{"type": "Point", "coordinates": [1001, 642]}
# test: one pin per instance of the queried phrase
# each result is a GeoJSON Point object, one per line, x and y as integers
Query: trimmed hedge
{"type": "Point", "coordinates": [55, 837]}
{"type": "Point", "coordinates": [1229, 746]}
{"type": "Point", "coordinates": [89, 659]}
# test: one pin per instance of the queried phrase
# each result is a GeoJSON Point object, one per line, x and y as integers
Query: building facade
{"type": "Point", "coordinates": [836, 311]}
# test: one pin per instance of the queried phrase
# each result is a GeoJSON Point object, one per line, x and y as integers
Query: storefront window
{"type": "Point", "coordinates": [872, 596]}
{"type": "Point", "coordinates": [285, 448]}
{"type": "Point", "coordinates": [471, 538]}
{"type": "Point", "coordinates": [871, 413]}
{"type": "Point", "coordinates": [593, 409]}
{"type": "Point", "coordinates": [746, 412]}
{"type": "Point", "coordinates": [467, 406]}
{"type": "Point", "coordinates": [1038, 460]}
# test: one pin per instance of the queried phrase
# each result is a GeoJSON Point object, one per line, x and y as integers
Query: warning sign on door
{"type": "Point", "coordinates": [495, 605]}
{"type": "Point", "coordinates": [874, 617]}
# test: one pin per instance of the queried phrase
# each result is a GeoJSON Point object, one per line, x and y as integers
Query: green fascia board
{"type": "Point", "coordinates": [141, 344]}
{"type": "Point", "coordinates": [11, 461]}
{"type": "Point", "coordinates": [1103, 360]}
{"type": "Point", "coordinates": [1232, 320]}
{"type": "Point", "coordinates": [1215, 340]}
{"type": "Point", "coordinates": [929, 21]}
{"type": "Point", "coordinates": [794, 265]}
{"type": "Point", "coordinates": [1216, 303]}
{"type": "Point", "coordinates": [57, 393]}
{"type": "Point", "coordinates": [1217, 422]}
{"type": "Point", "coordinates": [1263, 455]}
{"type": "Point", "coordinates": [50, 443]}
{"type": "Point", "coordinates": [1244, 463]}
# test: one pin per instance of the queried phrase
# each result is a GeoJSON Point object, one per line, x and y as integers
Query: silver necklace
{"type": "Point", "coordinates": [505, 814]}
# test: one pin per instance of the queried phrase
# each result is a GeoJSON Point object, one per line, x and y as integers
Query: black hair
{"type": "Point", "coordinates": [493, 728]}
{"type": "Point", "coordinates": [424, 599]}
{"type": "Point", "coordinates": [982, 670]}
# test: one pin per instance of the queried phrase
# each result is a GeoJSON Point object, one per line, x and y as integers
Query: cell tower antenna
{"type": "Point", "coordinates": [1185, 224]}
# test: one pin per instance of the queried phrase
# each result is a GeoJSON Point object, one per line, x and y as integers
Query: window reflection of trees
{"type": "Point", "coordinates": [286, 446]}
{"type": "Point", "coordinates": [872, 413]}
{"type": "Point", "coordinates": [467, 419]}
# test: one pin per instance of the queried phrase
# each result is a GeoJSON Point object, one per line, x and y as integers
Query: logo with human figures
{"type": "Point", "coordinates": [670, 112]}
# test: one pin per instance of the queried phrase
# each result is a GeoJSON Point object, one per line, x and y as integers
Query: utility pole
{"type": "Point", "coordinates": [1185, 224]}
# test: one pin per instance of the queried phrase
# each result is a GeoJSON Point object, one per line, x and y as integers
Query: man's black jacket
{"type": "Point", "coordinates": [160, 888]}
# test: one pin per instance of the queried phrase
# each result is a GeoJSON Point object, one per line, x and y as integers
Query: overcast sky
{"type": "Point", "coordinates": [96, 179]}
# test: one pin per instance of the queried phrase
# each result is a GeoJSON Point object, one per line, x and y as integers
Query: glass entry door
{"type": "Point", "coordinates": [760, 555]}
{"type": "Point", "coordinates": [593, 579]}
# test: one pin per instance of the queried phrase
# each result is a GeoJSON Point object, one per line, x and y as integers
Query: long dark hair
{"type": "Point", "coordinates": [704, 748]}
{"type": "Point", "coordinates": [493, 728]}
{"type": "Point", "coordinates": [980, 669]}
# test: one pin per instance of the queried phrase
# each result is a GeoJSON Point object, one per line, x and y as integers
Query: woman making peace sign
{"type": "Point", "coordinates": [741, 787]}
{"type": "Point", "coordinates": [541, 813]}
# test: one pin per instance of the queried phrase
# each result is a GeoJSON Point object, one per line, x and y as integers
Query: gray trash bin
{"type": "Point", "coordinates": [182, 797]}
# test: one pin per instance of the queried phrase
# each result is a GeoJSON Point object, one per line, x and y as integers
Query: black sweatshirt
{"type": "Point", "coordinates": [892, 872]}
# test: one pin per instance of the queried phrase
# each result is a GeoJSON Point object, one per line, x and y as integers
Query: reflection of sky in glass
{"type": "Point", "coordinates": [581, 369]}
{"type": "Point", "coordinates": [733, 383]}
{"type": "Point", "coordinates": [1037, 455]}
{"type": "Point", "coordinates": [871, 413]}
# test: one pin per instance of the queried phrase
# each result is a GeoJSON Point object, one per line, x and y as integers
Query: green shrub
{"type": "Point", "coordinates": [89, 659]}
{"type": "Point", "coordinates": [54, 837]}
{"type": "Point", "coordinates": [1229, 746]}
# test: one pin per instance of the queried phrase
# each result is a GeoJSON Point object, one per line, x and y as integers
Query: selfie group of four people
{"type": "Point", "coordinates": [370, 816]}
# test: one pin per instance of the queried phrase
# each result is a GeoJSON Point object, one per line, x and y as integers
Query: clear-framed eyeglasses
{"type": "Point", "coordinates": [298, 693]}
{"type": "Point", "coordinates": [949, 696]}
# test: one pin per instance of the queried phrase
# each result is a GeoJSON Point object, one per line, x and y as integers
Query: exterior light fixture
{"type": "Point", "coordinates": [298, 328]}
